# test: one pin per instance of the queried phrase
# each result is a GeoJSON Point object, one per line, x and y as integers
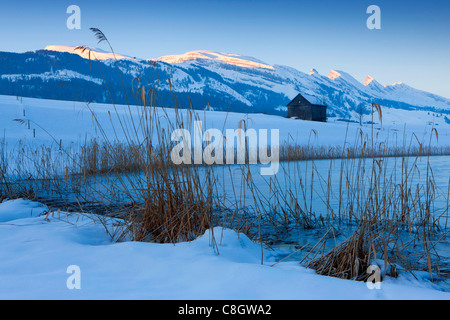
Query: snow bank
{"type": "Point", "coordinates": [35, 253]}
{"type": "Point", "coordinates": [20, 209]}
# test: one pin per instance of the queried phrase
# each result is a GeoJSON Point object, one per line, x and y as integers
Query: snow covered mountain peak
{"type": "Point", "coordinates": [395, 84]}
{"type": "Point", "coordinates": [233, 59]}
{"type": "Point", "coordinates": [313, 71]}
{"type": "Point", "coordinates": [368, 80]}
{"type": "Point", "coordinates": [96, 53]}
{"type": "Point", "coordinates": [342, 77]}
{"type": "Point", "coordinates": [334, 75]}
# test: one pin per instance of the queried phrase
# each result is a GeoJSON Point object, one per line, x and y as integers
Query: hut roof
{"type": "Point", "coordinates": [309, 99]}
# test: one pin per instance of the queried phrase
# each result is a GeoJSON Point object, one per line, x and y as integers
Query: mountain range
{"type": "Point", "coordinates": [198, 79]}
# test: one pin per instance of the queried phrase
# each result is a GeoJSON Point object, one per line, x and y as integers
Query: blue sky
{"type": "Point", "coordinates": [412, 46]}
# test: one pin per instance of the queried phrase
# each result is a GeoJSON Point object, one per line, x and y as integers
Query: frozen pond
{"type": "Point", "coordinates": [332, 189]}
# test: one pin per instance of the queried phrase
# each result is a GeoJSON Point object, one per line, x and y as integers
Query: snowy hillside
{"type": "Point", "coordinates": [71, 122]}
{"type": "Point", "coordinates": [96, 53]}
{"type": "Point", "coordinates": [203, 79]}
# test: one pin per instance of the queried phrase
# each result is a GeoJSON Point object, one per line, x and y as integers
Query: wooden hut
{"type": "Point", "coordinates": [309, 108]}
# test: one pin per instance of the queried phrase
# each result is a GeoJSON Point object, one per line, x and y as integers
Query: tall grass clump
{"type": "Point", "coordinates": [166, 202]}
{"type": "Point", "coordinates": [3, 170]}
{"type": "Point", "coordinates": [390, 208]}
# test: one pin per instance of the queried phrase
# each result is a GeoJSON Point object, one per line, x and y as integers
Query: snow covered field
{"type": "Point", "coordinates": [71, 122]}
{"type": "Point", "coordinates": [37, 250]}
